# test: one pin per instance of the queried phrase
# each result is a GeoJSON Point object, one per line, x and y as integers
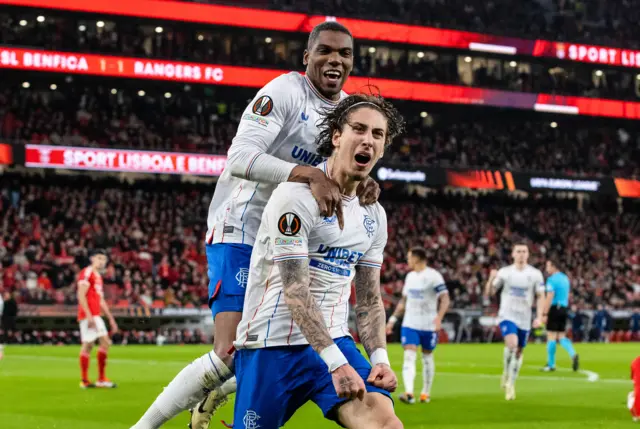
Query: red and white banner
{"type": "Point", "coordinates": [137, 161]}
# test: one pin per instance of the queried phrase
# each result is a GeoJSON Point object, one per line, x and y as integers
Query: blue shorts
{"type": "Point", "coordinates": [274, 382]}
{"type": "Point", "coordinates": [427, 339]}
{"type": "Point", "coordinates": [228, 274]}
{"type": "Point", "coordinates": [507, 327]}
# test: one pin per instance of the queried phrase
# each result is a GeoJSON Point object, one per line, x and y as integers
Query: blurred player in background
{"type": "Point", "coordinates": [276, 134]}
{"type": "Point", "coordinates": [295, 320]}
{"type": "Point", "coordinates": [555, 314]}
{"type": "Point", "coordinates": [8, 316]}
{"type": "Point", "coordinates": [91, 304]}
{"type": "Point", "coordinates": [634, 396]}
{"type": "Point", "coordinates": [425, 301]}
{"type": "Point", "coordinates": [520, 282]}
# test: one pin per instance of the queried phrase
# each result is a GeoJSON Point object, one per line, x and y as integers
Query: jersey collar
{"type": "Point", "coordinates": [317, 93]}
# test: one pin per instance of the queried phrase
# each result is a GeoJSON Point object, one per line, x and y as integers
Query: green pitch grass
{"type": "Point", "coordinates": [39, 389]}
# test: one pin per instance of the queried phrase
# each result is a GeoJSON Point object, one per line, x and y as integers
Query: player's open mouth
{"type": "Point", "coordinates": [333, 75]}
{"type": "Point", "coordinates": [362, 159]}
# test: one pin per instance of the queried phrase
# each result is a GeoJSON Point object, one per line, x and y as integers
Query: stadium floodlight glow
{"type": "Point", "coordinates": [513, 64]}
{"type": "Point", "coordinates": [82, 28]}
{"type": "Point", "coordinates": [114, 91]}
{"type": "Point", "coordinates": [40, 18]}
{"type": "Point", "coordinates": [372, 50]}
{"type": "Point", "coordinates": [599, 73]}
{"type": "Point", "coordinates": [268, 40]}
{"type": "Point", "coordinates": [159, 30]}
{"type": "Point", "coordinates": [167, 95]}
{"type": "Point", "coordinates": [200, 37]}
{"type": "Point", "coordinates": [494, 49]}
{"type": "Point", "coordinates": [53, 87]}
{"type": "Point", "coordinates": [141, 93]}
{"type": "Point", "coordinates": [23, 22]}
{"type": "Point", "coordinates": [553, 124]}
{"type": "Point", "coordinates": [26, 84]}
{"type": "Point", "coordinates": [420, 54]}
{"type": "Point", "coordinates": [467, 59]}
{"type": "Point", "coordinates": [423, 114]}
{"type": "Point", "coordinates": [100, 24]}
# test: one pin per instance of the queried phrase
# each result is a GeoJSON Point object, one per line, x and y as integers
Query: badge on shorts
{"type": "Point", "coordinates": [263, 106]}
{"type": "Point", "coordinates": [289, 224]}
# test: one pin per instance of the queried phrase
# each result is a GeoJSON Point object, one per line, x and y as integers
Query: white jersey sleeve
{"type": "Point", "coordinates": [500, 279]}
{"type": "Point", "coordinates": [289, 222]}
{"type": "Point", "coordinates": [439, 285]}
{"type": "Point", "coordinates": [375, 255]}
{"type": "Point", "coordinates": [261, 123]}
{"type": "Point", "coordinates": [541, 287]}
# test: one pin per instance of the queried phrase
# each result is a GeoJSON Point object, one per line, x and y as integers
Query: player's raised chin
{"type": "Point", "coordinates": [360, 143]}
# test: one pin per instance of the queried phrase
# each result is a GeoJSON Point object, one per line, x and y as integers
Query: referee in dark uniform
{"type": "Point", "coordinates": [556, 312]}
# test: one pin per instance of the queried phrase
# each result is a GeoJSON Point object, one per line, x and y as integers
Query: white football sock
{"type": "Point", "coordinates": [409, 370]}
{"type": "Point", "coordinates": [428, 372]}
{"type": "Point", "coordinates": [508, 354]}
{"type": "Point", "coordinates": [230, 386]}
{"type": "Point", "coordinates": [188, 388]}
{"type": "Point", "coordinates": [514, 368]}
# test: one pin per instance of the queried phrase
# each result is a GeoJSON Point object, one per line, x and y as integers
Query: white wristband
{"type": "Point", "coordinates": [333, 357]}
{"type": "Point", "coordinates": [393, 319]}
{"type": "Point", "coordinates": [379, 356]}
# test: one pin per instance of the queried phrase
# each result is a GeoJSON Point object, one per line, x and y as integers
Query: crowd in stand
{"type": "Point", "coordinates": [155, 233]}
{"type": "Point", "coordinates": [92, 115]}
{"type": "Point", "coordinates": [125, 337]}
{"type": "Point", "coordinates": [178, 42]}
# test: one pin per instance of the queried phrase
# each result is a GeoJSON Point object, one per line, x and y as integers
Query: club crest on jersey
{"type": "Point", "coordinates": [263, 106]}
{"type": "Point", "coordinates": [289, 224]}
{"type": "Point", "coordinates": [369, 226]}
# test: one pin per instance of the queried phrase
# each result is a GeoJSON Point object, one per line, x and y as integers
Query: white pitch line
{"type": "Point", "coordinates": [535, 377]}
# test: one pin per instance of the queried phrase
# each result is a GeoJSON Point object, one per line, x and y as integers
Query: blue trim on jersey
{"type": "Point", "coordinates": [329, 268]}
{"type": "Point", "coordinates": [369, 264]}
{"type": "Point", "coordinates": [253, 161]}
{"type": "Point", "coordinates": [290, 257]}
{"type": "Point", "coordinates": [323, 296]}
{"type": "Point", "coordinates": [272, 315]}
{"type": "Point", "coordinates": [441, 288]}
{"type": "Point", "coordinates": [245, 209]}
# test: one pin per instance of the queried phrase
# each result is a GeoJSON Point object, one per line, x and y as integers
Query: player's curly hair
{"type": "Point", "coordinates": [334, 119]}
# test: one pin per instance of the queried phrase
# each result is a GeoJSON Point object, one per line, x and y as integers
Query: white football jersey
{"type": "Point", "coordinates": [519, 288]}
{"type": "Point", "coordinates": [281, 121]}
{"type": "Point", "coordinates": [422, 289]}
{"type": "Point", "coordinates": [292, 228]}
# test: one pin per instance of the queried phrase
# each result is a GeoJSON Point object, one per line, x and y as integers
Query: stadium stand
{"type": "Point", "coordinates": [89, 114]}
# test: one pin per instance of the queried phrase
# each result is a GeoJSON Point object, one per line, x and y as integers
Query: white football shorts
{"type": "Point", "coordinates": [90, 335]}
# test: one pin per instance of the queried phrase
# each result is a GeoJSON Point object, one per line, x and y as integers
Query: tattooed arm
{"type": "Point", "coordinates": [370, 318]}
{"type": "Point", "coordinates": [303, 307]}
{"type": "Point", "coordinates": [370, 315]}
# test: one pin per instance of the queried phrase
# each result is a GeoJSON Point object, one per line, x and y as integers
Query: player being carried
{"type": "Point", "coordinates": [425, 301]}
{"type": "Point", "coordinates": [520, 282]}
{"type": "Point", "coordinates": [90, 305]}
{"type": "Point", "coordinates": [276, 134]}
{"type": "Point", "coordinates": [293, 341]}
